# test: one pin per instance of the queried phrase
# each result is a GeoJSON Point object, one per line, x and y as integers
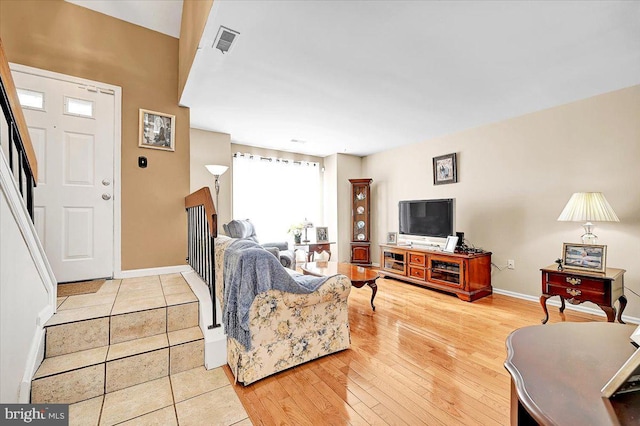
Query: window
{"type": "Point", "coordinates": [79, 107]}
{"type": "Point", "coordinates": [30, 99]}
{"type": "Point", "coordinates": [275, 194]}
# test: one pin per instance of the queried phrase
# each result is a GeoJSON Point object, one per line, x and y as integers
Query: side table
{"type": "Point", "coordinates": [577, 287]}
{"type": "Point", "coordinates": [313, 247]}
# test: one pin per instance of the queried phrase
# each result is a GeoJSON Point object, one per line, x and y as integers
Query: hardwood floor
{"type": "Point", "coordinates": [423, 357]}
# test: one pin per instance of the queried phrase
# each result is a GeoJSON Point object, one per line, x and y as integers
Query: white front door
{"type": "Point", "coordinates": [72, 127]}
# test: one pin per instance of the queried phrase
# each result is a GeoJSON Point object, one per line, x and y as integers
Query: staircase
{"type": "Point", "coordinates": [132, 349]}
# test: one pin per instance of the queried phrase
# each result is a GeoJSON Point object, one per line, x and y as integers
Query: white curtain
{"type": "Point", "coordinates": [275, 194]}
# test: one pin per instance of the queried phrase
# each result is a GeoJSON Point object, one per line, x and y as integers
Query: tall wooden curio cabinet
{"type": "Point", "coordinates": [360, 221]}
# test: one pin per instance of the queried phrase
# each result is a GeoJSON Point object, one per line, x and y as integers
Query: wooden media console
{"type": "Point", "coordinates": [468, 275]}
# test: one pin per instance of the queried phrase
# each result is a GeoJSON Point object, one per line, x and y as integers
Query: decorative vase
{"type": "Point", "coordinates": [297, 238]}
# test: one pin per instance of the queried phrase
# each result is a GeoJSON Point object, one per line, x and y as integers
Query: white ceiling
{"type": "Point", "coordinates": [163, 16]}
{"type": "Point", "coordinates": [362, 77]}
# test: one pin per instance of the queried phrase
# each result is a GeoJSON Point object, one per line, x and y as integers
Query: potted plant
{"type": "Point", "coordinates": [296, 231]}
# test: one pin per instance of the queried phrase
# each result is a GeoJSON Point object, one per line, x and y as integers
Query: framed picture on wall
{"type": "Point", "coordinates": [445, 169]}
{"type": "Point", "coordinates": [156, 130]}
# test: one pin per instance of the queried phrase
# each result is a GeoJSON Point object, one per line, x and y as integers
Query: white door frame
{"type": "Point", "coordinates": [117, 132]}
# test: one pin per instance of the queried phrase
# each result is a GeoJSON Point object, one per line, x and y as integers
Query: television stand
{"type": "Point", "coordinates": [467, 275]}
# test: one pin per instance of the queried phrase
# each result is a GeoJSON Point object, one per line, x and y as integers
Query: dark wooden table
{"type": "Point", "coordinates": [358, 275]}
{"type": "Point", "coordinates": [313, 247]}
{"type": "Point", "coordinates": [577, 287]}
{"type": "Point", "coordinates": [558, 370]}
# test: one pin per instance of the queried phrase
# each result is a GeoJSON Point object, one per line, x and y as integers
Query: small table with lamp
{"type": "Point", "coordinates": [312, 247]}
{"type": "Point", "coordinates": [577, 287]}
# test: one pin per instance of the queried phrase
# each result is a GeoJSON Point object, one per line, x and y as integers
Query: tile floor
{"type": "Point", "coordinates": [192, 397]}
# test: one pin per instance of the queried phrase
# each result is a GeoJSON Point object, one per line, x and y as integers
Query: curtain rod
{"type": "Point", "coordinates": [278, 160]}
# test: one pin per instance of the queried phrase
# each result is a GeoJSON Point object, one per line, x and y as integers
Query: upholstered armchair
{"type": "Point", "coordinates": [244, 229]}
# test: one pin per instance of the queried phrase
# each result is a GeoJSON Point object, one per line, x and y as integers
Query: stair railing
{"type": "Point", "coordinates": [22, 157]}
{"type": "Point", "coordinates": [202, 229]}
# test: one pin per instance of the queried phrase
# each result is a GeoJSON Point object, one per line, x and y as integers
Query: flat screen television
{"type": "Point", "coordinates": [427, 218]}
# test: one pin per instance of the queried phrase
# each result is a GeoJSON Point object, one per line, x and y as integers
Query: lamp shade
{"type": "Point", "coordinates": [216, 169]}
{"type": "Point", "coordinates": [588, 206]}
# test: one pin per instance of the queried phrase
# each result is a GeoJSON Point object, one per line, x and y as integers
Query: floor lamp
{"type": "Point", "coordinates": [217, 171]}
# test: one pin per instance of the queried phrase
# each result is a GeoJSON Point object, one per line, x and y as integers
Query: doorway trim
{"type": "Point", "coordinates": [117, 147]}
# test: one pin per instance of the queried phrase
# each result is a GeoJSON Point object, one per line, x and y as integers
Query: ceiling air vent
{"type": "Point", "coordinates": [225, 38]}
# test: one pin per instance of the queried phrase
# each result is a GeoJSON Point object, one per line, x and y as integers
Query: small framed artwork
{"type": "Point", "coordinates": [450, 245]}
{"type": "Point", "coordinates": [584, 257]}
{"type": "Point", "coordinates": [626, 379]}
{"type": "Point", "coordinates": [156, 130]}
{"type": "Point", "coordinates": [392, 237]}
{"type": "Point", "coordinates": [322, 234]}
{"type": "Point", "coordinates": [445, 169]}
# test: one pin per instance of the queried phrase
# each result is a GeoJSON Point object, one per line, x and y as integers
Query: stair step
{"type": "Point", "coordinates": [182, 316]}
{"type": "Point", "coordinates": [73, 361]}
{"type": "Point", "coordinates": [69, 387]}
{"type": "Point", "coordinates": [76, 336]}
{"type": "Point", "coordinates": [130, 332]}
{"type": "Point", "coordinates": [136, 325]}
{"type": "Point", "coordinates": [118, 366]}
{"type": "Point", "coordinates": [187, 349]}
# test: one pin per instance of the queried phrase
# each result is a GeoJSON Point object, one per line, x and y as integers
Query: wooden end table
{"type": "Point", "coordinates": [358, 275]}
{"type": "Point", "coordinates": [577, 287]}
{"type": "Point", "coordinates": [558, 370]}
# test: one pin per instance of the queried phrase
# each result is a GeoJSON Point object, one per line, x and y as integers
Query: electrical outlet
{"type": "Point", "coordinates": [511, 264]}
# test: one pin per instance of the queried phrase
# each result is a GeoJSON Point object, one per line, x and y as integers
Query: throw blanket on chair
{"type": "Point", "coordinates": [249, 270]}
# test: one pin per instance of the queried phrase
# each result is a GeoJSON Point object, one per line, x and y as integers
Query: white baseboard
{"type": "Point", "coordinates": [215, 339]}
{"type": "Point", "coordinates": [580, 308]}
{"type": "Point", "coordinates": [134, 273]}
{"type": "Point", "coordinates": [33, 361]}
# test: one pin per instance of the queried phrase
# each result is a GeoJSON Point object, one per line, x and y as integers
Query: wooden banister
{"type": "Point", "coordinates": [12, 96]}
{"type": "Point", "coordinates": [202, 197]}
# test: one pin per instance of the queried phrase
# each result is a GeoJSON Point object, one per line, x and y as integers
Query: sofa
{"type": "Point", "coordinates": [284, 329]}
{"type": "Point", "coordinates": [245, 229]}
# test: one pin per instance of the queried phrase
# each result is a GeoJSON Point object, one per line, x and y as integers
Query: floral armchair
{"type": "Point", "coordinates": [287, 329]}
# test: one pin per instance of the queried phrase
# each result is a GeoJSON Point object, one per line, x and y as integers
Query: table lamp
{"type": "Point", "coordinates": [217, 171]}
{"type": "Point", "coordinates": [588, 206]}
{"type": "Point", "coordinates": [306, 225]}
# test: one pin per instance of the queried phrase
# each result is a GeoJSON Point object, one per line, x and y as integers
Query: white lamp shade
{"type": "Point", "coordinates": [216, 170]}
{"type": "Point", "coordinates": [588, 206]}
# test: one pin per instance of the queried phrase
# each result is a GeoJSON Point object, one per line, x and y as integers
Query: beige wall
{"type": "Point", "coordinates": [194, 18]}
{"type": "Point", "coordinates": [347, 167]}
{"type": "Point", "coordinates": [212, 148]}
{"type": "Point", "coordinates": [516, 176]}
{"type": "Point", "coordinates": [62, 37]}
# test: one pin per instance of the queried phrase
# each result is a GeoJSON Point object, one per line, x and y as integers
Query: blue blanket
{"type": "Point", "coordinates": [248, 271]}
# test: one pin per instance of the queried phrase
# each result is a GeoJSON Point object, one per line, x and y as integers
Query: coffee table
{"type": "Point", "coordinates": [358, 275]}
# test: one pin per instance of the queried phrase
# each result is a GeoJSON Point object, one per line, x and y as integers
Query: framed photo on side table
{"type": "Point", "coordinates": [584, 257]}
{"type": "Point", "coordinates": [322, 234]}
{"type": "Point", "coordinates": [156, 130]}
{"type": "Point", "coordinates": [445, 169]}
